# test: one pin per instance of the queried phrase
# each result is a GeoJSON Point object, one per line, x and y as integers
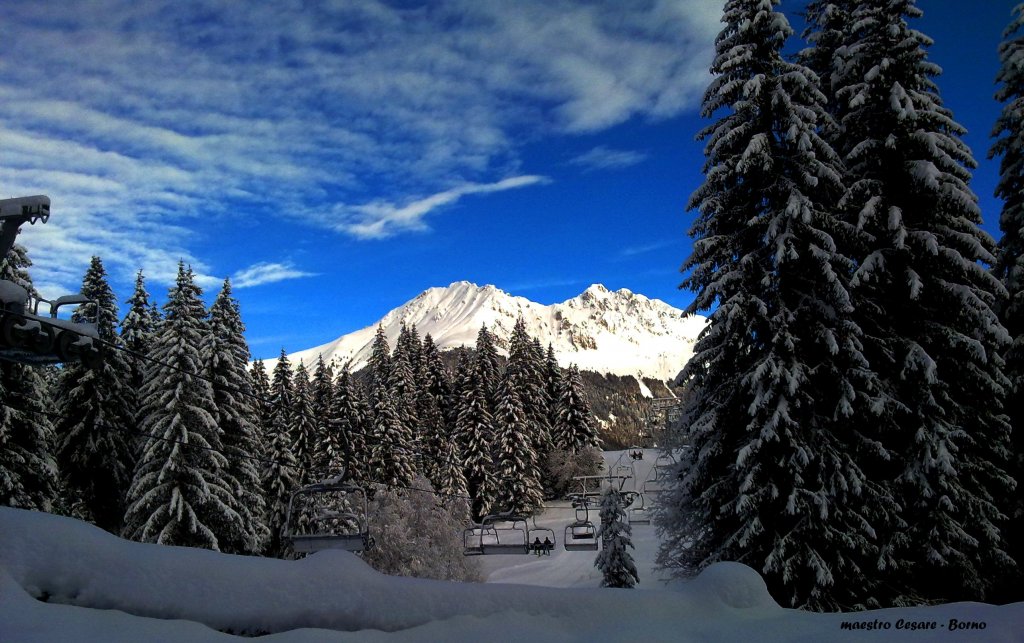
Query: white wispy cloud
{"type": "Point", "coordinates": [632, 251]}
{"type": "Point", "coordinates": [141, 118]}
{"type": "Point", "coordinates": [604, 158]}
{"type": "Point", "coordinates": [538, 284]}
{"type": "Point", "coordinates": [262, 273]}
{"type": "Point", "coordinates": [382, 219]}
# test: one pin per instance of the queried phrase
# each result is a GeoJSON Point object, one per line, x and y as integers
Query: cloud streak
{"type": "Point", "coordinates": [603, 158]}
{"type": "Point", "coordinates": [140, 119]}
{"type": "Point", "coordinates": [262, 273]}
{"type": "Point", "coordinates": [383, 219]}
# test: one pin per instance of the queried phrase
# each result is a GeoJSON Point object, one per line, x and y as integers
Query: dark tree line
{"type": "Point", "coordinates": [848, 425]}
{"type": "Point", "coordinates": [174, 439]}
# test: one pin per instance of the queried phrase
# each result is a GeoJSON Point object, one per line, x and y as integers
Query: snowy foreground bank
{"type": "Point", "coordinates": [102, 588]}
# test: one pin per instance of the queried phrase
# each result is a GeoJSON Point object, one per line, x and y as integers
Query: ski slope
{"type": "Point", "coordinates": [576, 568]}
{"type": "Point", "coordinates": [64, 580]}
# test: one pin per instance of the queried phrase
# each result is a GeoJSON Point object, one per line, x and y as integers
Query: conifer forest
{"type": "Point", "coordinates": [851, 427]}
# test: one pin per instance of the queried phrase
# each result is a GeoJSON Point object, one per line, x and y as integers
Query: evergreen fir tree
{"type": "Point", "coordinates": [433, 434]}
{"type": "Point", "coordinates": [391, 461]}
{"type": "Point", "coordinates": [574, 427]}
{"type": "Point", "coordinates": [97, 415]}
{"type": "Point", "coordinates": [138, 327]}
{"type": "Point", "coordinates": [527, 367]}
{"type": "Point", "coordinates": [487, 366]}
{"type": "Point", "coordinates": [433, 409]}
{"type": "Point", "coordinates": [475, 432]}
{"type": "Point", "coordinates": [281, 473]}
{"type": "Point", "coordinates": [379, 364]}
{"type": "Point", "coordinates": [409, 344]}
{"type": "Point", "coordinates": [773, 476]}
{"type": "Point", "coordinates": [1009, 144]}
{"type": "Point", "coordinates": [402, 389]}
{"type": "Point", "coordinates": [28, 468]}
{"type": "Point", "coordinates": [348, 426]}
{"type": "Point", "coordinates": [327, 449]}
{"type": "Point", "coordinates": [925, 304]}
{"type": "Point", "coordinates": [226, 355]}
{"type": "Point", "coordinates": [180, 493]}
{"type": "Point", "coordinates": [452, 482]}
{"type": "Point", "coordinates": [518, 481]}
{"type": "Point", "coordinates": [614, 560]}
{"type": "Point", "coordinates": [303, 426]}
{"type": "Point", "coordinates": [553, 388]}
{"type": "Point", "coordinates": [260, 384]}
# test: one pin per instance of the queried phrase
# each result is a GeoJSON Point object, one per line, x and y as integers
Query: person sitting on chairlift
{"type": "Point", "coordinates": [537, 546]}
{"type": "Point", "coordinates": [548, 546]}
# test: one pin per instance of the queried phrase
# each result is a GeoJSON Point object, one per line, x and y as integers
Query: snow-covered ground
{"type": "Point", "coordinates": [101, 588]}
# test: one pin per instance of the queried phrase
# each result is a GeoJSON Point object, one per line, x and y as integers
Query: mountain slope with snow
{"type": "Point", "coordinates": [617, 332]}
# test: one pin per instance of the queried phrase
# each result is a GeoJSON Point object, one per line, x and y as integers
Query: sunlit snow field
{"type": "Point", "coordinates": [101, 588]}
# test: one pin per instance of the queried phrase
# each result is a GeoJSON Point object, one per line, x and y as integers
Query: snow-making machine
{"type": "Point", "coordinates": [26, 336]}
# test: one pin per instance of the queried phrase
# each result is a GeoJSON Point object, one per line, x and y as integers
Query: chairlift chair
{"type": "Point", "coordinates": [541, 537]}
{"type": "Point", "coordinates": [581, 535]}
{"type": "Point", "coordinates": [313, 524]}
{"type": "Point", "coordinates": [504, 533]}
{"type": "Point", "coordinates": [639, 515]}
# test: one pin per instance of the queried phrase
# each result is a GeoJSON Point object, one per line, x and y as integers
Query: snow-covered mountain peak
{"type": "Point", "coordinates": [618, 332]}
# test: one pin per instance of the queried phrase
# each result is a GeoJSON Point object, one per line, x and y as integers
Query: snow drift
{"type": "Point", "coordinates": [84, 573]}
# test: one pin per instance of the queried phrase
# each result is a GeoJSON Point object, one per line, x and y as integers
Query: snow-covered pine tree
{"type": "Point", "coordinates": [925, 304]}
{"type": "Point", "coordinates": [327, 449]}
{"type": "Point", "coordinates": [452, 482]}
{"type": "Point", "coordinates": [348, 424]}
{"type": "Point", "coordinates": [137, 330]}
{"type": "Point", "coordinates": [28, 467]}
{"type": "Point", "coordinates": [96, 426]}
{"type": "Point", "coordinates": [474, 429]}
{"type": "Point", "coordinates": [575, 428]}
{"type": "Point", "coordinates": [403, 391]}
{"type": "Point", "coordinates": [303, 425]}
{"type": "Point", "coordinates": [774, 475]}
{"type": "Point", "coordinates": [828, 22]}
{"type": "Point", "coordinates": [435, 393]}
{"type": "Point", "coordinates": [379, 364]}
{"type": "Point", "coordinates": [487, 367]}
{"type": "Point", "coordinates": [281, 473]}
{"type": "Point", "coordinates": [1009, 145]}
{"type": "Point", "coordinates": [180, 494]}
{"type": "Point", "coordinates": [553, 388]}
{"type": "Point", "coordinates": [518, 481]}
{"type": "Point", "coordinates": [409, 344]}
{"type": "Point", "coordinates": [260, 384]}
{"type": "Point", "coordinates": [391, 459]}
{"type": "Point", "coordinates": [226, 356]}
{"type": "Point", "coordinates": [433, 434]}
{"type": "Point", "coordinates": [614, 560]}
{"type": "Point", "coordinates": [527, 367]}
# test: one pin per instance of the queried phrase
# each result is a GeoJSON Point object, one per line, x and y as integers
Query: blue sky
{"type": "Point", "coordinates": [337, 158]}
